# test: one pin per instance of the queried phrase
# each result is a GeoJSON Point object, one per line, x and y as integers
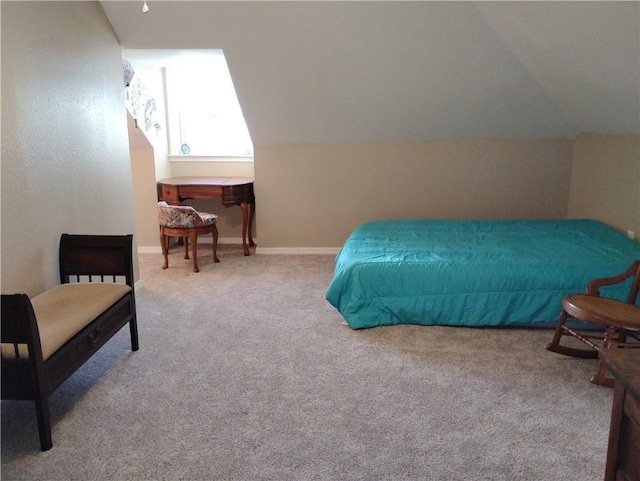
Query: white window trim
{"type": "Point", "coordinates": [178, 157]}
{"type": "Point", "coordinates": [210, 158]}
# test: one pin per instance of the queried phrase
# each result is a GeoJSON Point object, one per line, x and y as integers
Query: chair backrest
{"type": "Point", "coordinates": [178, 216]}
{"type": "Point", "coordinates": [96, 256]}
{"type": "Point", "coordinates": [635, 287]}
{"type": "Point", "coordinates": [593, 288]}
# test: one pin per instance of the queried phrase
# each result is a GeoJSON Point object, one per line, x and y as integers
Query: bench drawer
{"type": "Point", "coordinates": [82, 346]}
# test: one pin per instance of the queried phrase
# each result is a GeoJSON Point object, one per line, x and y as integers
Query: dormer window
{"type": "Point", "coordinates": [204, 115]}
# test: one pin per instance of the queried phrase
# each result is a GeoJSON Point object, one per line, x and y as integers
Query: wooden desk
{"type": "Point", "coordinates": [232, 190]}
{"type": "Point", "coordinates": [623, 453]}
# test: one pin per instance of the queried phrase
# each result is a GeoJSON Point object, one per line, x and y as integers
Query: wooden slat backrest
{"type": "Point", "coordinates": [19, 325]}
{"type": "Point", "coordinates": [98, 256]}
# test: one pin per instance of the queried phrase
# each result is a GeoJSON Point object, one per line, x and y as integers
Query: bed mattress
{"type": "Point", "coordinates": [472, 272]}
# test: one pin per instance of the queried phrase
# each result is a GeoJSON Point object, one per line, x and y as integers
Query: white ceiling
{"type": "Point", "coordinates": [333, 72]}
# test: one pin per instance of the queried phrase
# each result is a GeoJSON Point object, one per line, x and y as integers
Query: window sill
{"type": "Point", "coordinates": [209, 158]}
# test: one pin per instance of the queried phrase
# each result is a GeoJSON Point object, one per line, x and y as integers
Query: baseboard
{"type": "Point", "coordinates": [298, 250]}
{"type": "Point", "coordinates": [221, 240]}
{"type": "Point", "coordinates": [149, 250]}
{"type": "Point", "coordinates": [201, 240]}
{"type": "Point", "coordinates": [259, 250]}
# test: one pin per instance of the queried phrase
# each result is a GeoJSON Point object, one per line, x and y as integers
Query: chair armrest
{"type": "Point", "coordinates": [593, 287]}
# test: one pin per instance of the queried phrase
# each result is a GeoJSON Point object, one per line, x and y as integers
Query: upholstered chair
{"type": "Point", "coordinates": [185, 222]}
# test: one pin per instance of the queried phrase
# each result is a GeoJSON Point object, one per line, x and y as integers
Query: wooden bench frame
{"type": "Point", "coordinates": [93, 258]}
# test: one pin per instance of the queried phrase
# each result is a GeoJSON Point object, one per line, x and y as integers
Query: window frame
{"type": "Point", "coordinates": [225, 94]}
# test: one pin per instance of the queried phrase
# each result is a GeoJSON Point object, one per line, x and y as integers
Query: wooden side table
{"type": "Point", "coordinates": [623, 453]}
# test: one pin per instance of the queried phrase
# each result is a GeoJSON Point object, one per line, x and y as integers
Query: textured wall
{"type": "Point", "coordinates": [605, 180]}
{"type": "Point", "coordinates": [65, 153]}
{"type": "Point", "coordinates": [354, 72]}
{"type": "Point", "coordinates": [314, 195]}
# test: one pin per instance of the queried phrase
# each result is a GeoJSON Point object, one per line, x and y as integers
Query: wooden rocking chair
{"type": "Point", "coordinates": [617, 317]}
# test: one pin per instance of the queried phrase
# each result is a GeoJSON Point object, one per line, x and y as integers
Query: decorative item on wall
{"type": "Point", "coordinates": [127, 71]}
{"type": "Point", "coordinates": [145, 7]}
{"type": "Point", "coordinates": [142, 103]}
{"type": "Point", "coordinates": [149, 111]}
{"type": "Point", "coordinates": [138, 94]}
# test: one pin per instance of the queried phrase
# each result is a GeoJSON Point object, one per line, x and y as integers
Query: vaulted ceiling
{"type": "Point", "coordinates": [334, 72]}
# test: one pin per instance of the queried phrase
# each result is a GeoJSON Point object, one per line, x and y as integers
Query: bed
{"type": "Point", "coordinates": [472, 272]}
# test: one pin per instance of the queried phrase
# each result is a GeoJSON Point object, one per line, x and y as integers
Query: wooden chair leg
{"type": "Point", "coordinates": [622, 336]}
{"type": "Point", "coordinates": [193, 236]}
{"type": "Point", "coordinates": [186, 247]}
{"type": "Point", "coordinates": [600, 377]}
{"type": "Point", "coordinates": [555, 345]}
{"type": "Point", "coordinates": [133, 330]}
{"type": "Point", "coordinates": [214, 234]}
{"type": "Point", "coordinates": [44, 422]}
{"type": "Point", "coordinates": [164, 244]}
{"type": "Point", "coordinates": [557, 334]}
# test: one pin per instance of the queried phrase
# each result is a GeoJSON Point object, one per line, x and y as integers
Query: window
{"type": "Point", "coordinates": [204, 115]}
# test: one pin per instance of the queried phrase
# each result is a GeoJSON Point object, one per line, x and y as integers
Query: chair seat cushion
{"type": "Point", "coordinates": [208, 219]}
{"type": "Point", "coordinates": [63, 311]}
{"type": "Point", "coordinates": [183, 217]}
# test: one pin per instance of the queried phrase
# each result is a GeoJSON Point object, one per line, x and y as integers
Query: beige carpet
{"type": "Point", "coordinates": [246, 373]}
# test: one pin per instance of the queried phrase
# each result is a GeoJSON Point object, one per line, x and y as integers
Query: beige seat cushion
{"type": "Point", "coordinates": [63, 311]}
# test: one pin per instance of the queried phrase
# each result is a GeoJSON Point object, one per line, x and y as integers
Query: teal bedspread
{"type": "Point", "coordinates": [470, 272]}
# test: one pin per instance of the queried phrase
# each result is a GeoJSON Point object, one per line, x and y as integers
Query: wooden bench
{"type": "Point", "coordinates": [47, 338]}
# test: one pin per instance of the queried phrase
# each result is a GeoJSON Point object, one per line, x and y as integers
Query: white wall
{"type": "Point", "coordinates": [143, 173]}
{"type": "Point", "coordinates": [354, 72]}
{"type": "Point", "coordinates": [65, 153]}
{"type": "Point", "coordinates": [148, 150]}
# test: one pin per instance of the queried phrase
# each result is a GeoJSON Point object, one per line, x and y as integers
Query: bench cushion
{"type": "Point", "coordinates": [63, 311]}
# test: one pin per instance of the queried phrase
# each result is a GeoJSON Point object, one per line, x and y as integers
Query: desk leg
{"type": "Point", "coordinates": [252, 213]}
{"type": "Point", "coordinates": [246, 227]}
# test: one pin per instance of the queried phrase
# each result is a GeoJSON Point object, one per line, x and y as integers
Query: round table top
{"type": "Point", "coordinates": [602, 310]}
